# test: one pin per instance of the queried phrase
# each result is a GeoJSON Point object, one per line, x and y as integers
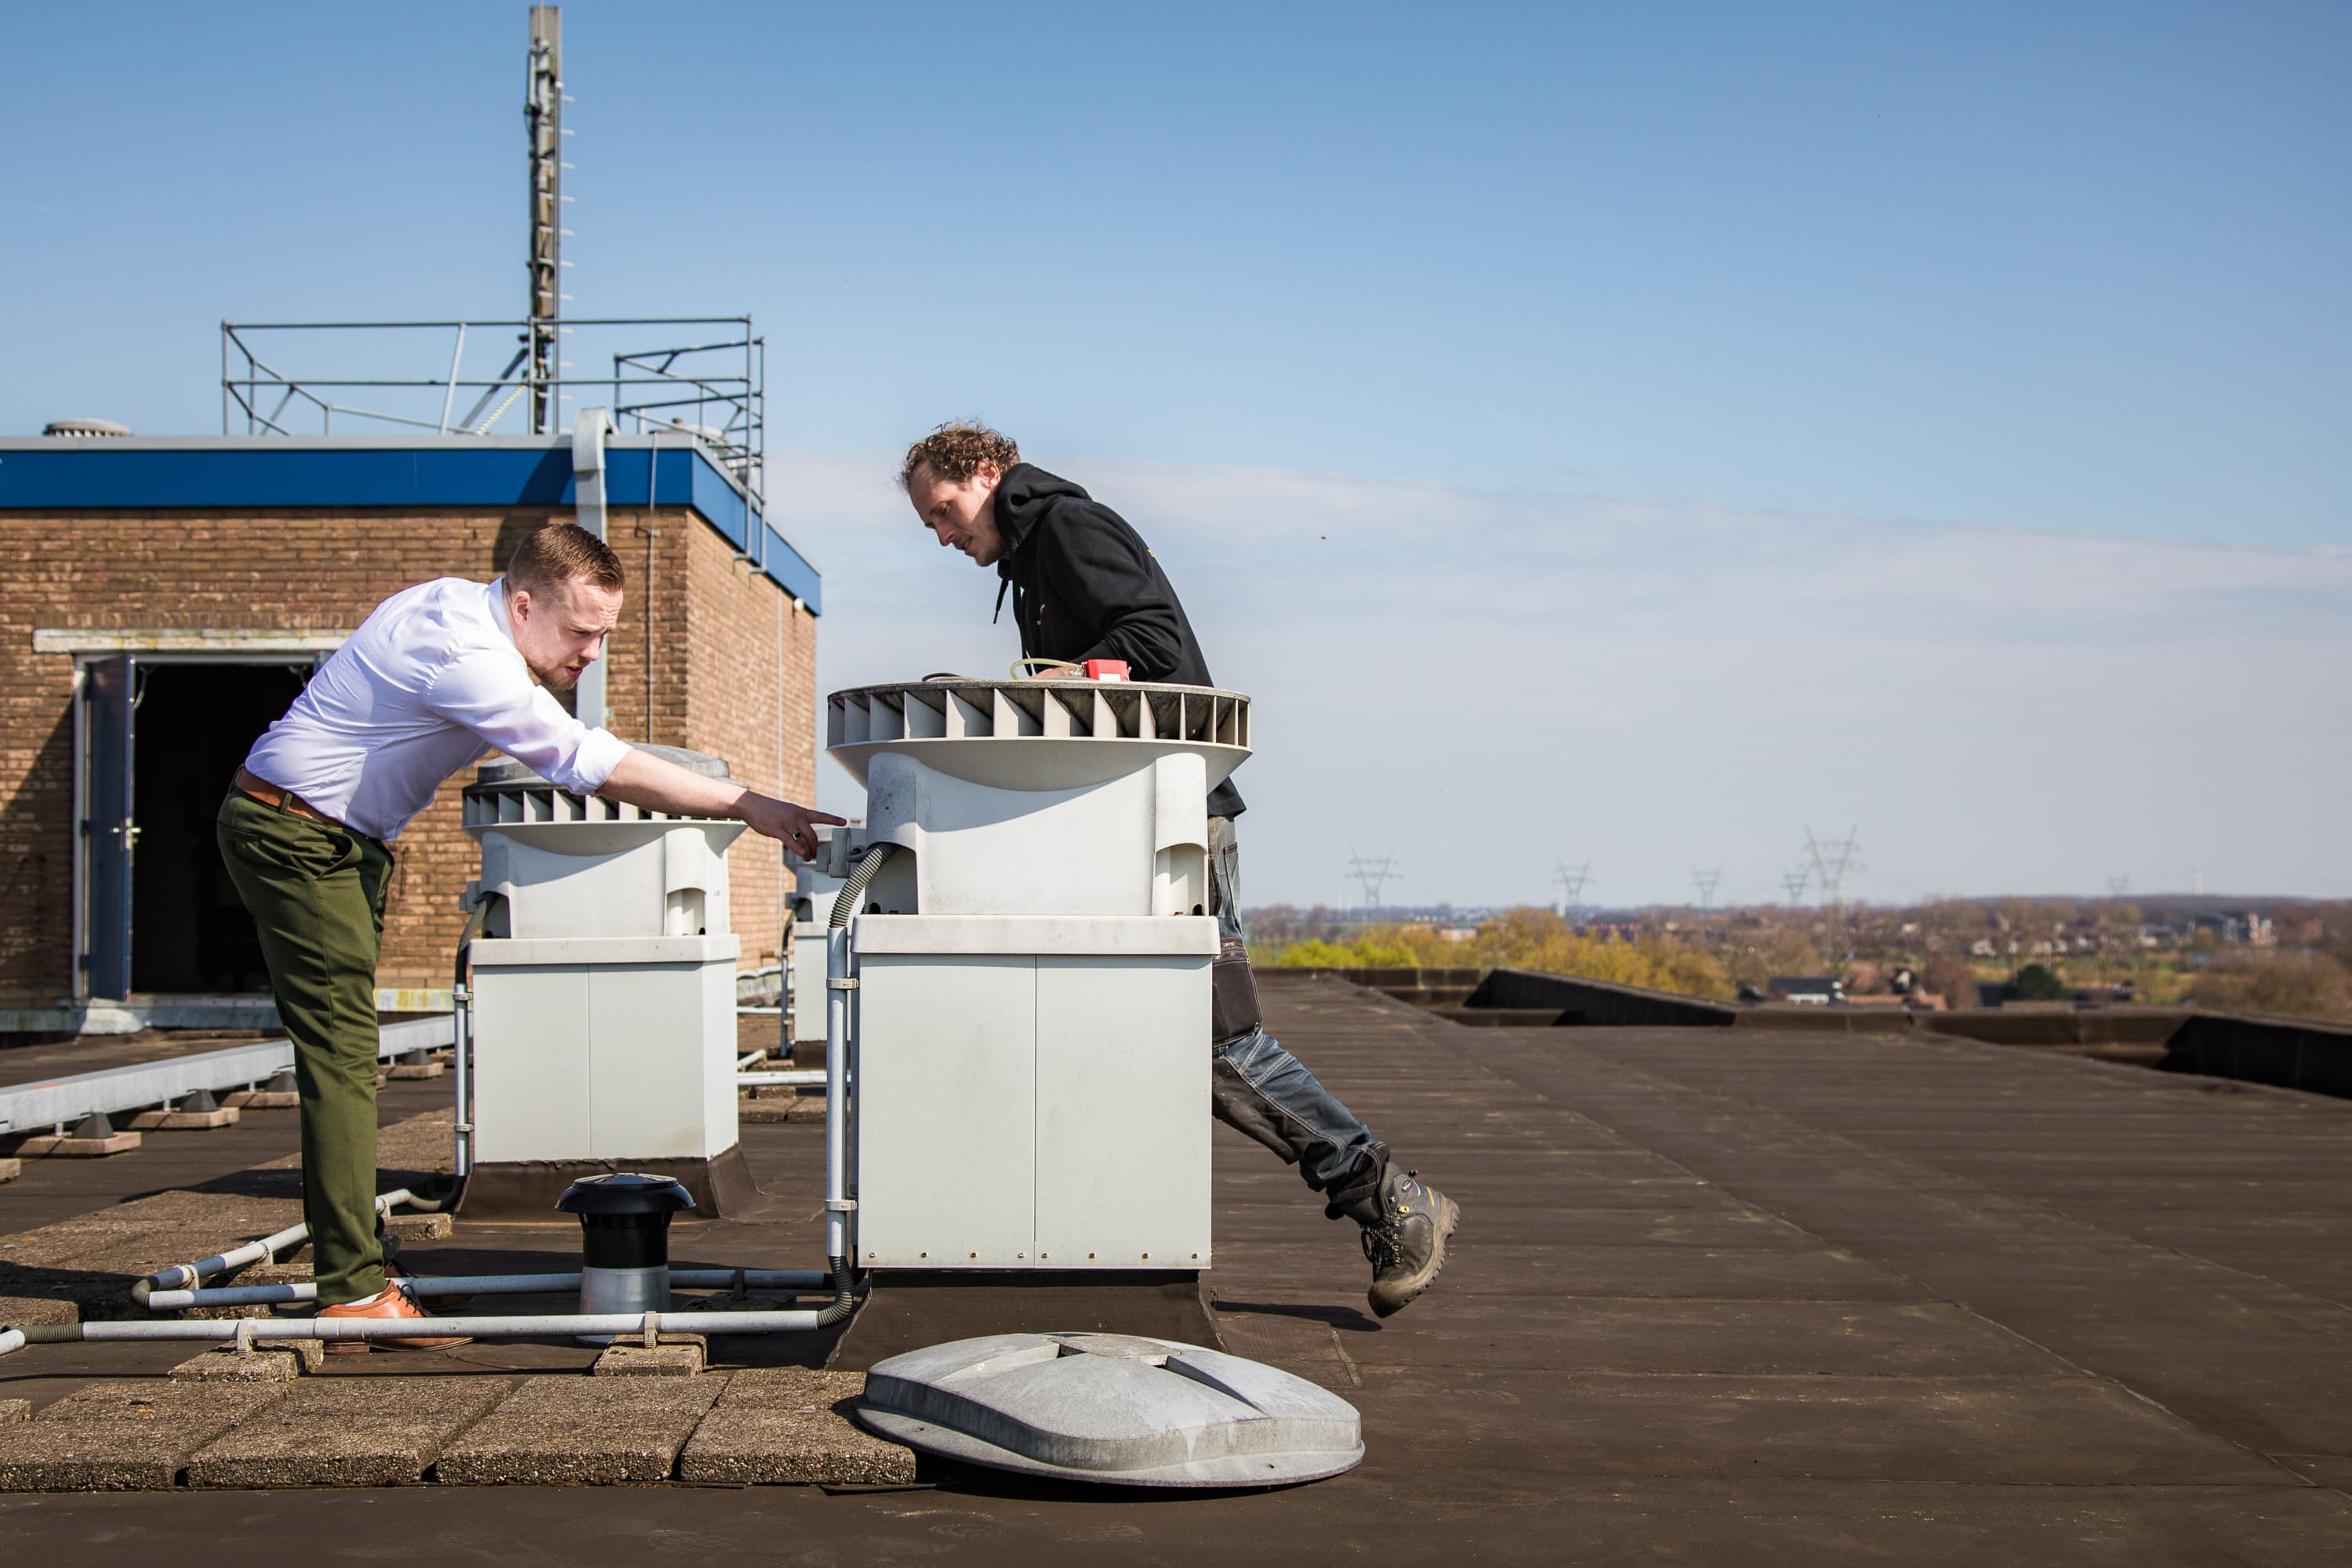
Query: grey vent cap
{"type": "Point", "coordinates": [508, 773]}
{"type": "Point", "coordinates": [1116, 1408]}
{"type": "Point", "coordinates": [84, 427]}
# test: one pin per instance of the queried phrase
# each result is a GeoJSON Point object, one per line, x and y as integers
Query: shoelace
{"type": "Point", "coordinates": [1380, 1247]}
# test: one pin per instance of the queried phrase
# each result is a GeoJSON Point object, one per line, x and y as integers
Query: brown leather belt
{"type": "Point", "coordinates": [277, 799]}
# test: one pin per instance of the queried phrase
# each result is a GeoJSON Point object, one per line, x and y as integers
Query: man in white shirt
{"type": "Point", "coordinates": [438, 675]}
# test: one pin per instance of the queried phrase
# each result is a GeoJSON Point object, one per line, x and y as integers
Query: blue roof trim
{"type": "Point", "coordinates": [89, 475]}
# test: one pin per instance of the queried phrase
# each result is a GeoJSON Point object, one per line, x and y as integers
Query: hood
{"type": "Point", "coordinates": [1022, 497]}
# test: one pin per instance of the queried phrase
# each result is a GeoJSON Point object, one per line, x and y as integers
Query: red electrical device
{"type": "Point", "coordinates": [1106, 669]}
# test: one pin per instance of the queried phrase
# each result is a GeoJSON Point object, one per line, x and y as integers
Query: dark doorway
{"type": "Point", "coordinates": [193, 725]}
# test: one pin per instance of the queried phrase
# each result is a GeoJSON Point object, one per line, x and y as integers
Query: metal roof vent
{"type": "Point", "coordinates": [1113, 1407]}
{"type": "Point", "coordinates": [84, 427]}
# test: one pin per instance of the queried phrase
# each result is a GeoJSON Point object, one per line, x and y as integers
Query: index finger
{"type": "Point", "coordinates": [828, 820]}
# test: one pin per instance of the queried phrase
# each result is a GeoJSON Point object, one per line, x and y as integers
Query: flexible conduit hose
{"type": "Point", "coordinates": [183, 1276]}
{"type": "Point", "coordinates": [837, 982]}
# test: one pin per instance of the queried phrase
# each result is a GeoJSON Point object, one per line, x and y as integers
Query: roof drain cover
{"type": "Point", "coordinates": [1112, 1407]}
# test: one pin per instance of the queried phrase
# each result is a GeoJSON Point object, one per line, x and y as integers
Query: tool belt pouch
{"type": "Point", "coordinates": [1233, 1009]}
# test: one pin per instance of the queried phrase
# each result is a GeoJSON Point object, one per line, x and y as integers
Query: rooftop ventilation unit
{"type": "Point", "coordinates": [1029, 971]}
{"type": "Point", "coordinates": [603, 1015]}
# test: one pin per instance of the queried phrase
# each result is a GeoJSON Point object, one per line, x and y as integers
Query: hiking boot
{"type": "Point", "coordinates": [1405, 1223]}
{"type": "Point", "coordinates": [392, 1301]}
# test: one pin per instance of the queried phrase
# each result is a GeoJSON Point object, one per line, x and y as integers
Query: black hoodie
{"type": "Point", "coordinates": [1085, 586]}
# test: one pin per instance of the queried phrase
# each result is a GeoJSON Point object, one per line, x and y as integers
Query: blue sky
{"type": "Point", "coordinates": [1734, 416]}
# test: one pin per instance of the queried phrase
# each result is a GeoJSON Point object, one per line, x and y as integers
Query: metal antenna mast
{"type": "Point", "coordinates": [1795, 880]}
{"type": "Point", "coordinates": [1571, 879]}
{"type": "Point", "coordinates": [1707, 882]}
{"type": "Point", "coordinates": [1831, 861]}
{"type": "Point", "coordinates": [543, 114]}
{"type": "Point", "coordinates": [1372, 874]}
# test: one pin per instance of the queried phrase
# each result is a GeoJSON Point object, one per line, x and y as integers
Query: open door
{"type": "Point", "coordinates": [110, 689]}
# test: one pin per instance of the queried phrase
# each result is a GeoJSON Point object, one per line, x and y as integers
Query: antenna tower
{"type": "Point", "coordinates": [1571, 880]}
{"type": "Point", "coordinates": [543, 115]}
{"type": "Point", "coordinates": [1372, 874]}
{"type": "Point", "coordinates": [1707, 882]}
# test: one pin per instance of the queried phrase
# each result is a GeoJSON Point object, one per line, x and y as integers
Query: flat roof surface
{"type": "Point", "coordinates": [1718, 1296]}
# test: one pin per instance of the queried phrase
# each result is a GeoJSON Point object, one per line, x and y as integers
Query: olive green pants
{"type": "Point", "coordinates": [317, 895]}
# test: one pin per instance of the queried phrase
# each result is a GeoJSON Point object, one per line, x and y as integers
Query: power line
{"type": "Point", "coordinates": [1795, 880]}
{"type": "Point", "coordinates": [1707, 882]}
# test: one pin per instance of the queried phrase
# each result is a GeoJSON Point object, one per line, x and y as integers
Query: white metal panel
{"type": "Point", "coordinates": [645, 1061]}
{"type": "Point", "coordinates": [714, 1035]}
{"type": "Point", "coordinates": [530, 1062]}
{"type": "Point", "coordinates": [1122, 1112]}
{"type": "Point", "coordinates": [947, 1062]}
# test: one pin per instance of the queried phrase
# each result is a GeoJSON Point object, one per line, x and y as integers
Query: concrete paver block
{"type": "Point", "coordinates": [786, 1425]}
{"type": "Point", "coordinates": [404, 1070]}
{"type": "Point", "coordinates": [282, 1362]}
{"type": "Point", "coordinates": [50, 1146]}
{"type": "Point", "coordinates": [15, 1410]}
{"type": "Point", "coordinates": [184, 1121]}
{"type": "Point", "coordinates": [123, 1437]}
{"type": "Point", "coordinates": [263, 1099]}
{"type": "Point", "coordinates": [16, 1309]}
{"type": "Point", "coordinates": [768, 1113]}
{"type": "Point", "coordinates": [11, 1168]}
{"type": "Point", "coordinates": [419, 1227]}
{"type": "Point", "coordinates": [676, 1355]}
{"type": "Point", "coordinates": [348, 1432]}
{"type": "Point", "coordinates": [581, 1430]}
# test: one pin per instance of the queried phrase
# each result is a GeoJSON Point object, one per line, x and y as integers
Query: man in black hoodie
{"type": "Point", "coordinates": [1084, 586]}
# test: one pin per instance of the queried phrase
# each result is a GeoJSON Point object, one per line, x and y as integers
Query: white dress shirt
{"type": "Point", "coordinates": [431, 682]}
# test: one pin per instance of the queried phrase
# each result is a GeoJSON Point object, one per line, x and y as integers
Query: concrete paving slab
{"type": "Point", "coordinates": [282, 1362]}
{"type": "Point", "coordinates": [348, 1432]}
{"type": "Point", "coordinates": [572, 1431]}
{"type": "Point", "coordinates": [790, 1426]}
{"type": "Point", "coordinates": [123, 1437]}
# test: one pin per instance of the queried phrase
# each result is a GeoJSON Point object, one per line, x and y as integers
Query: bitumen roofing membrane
{"type": "Point", "coordinates": [1718, 1296]}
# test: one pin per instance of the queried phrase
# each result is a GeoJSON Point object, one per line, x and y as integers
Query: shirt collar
{"type": "Point", "coordinates": [498, 593]}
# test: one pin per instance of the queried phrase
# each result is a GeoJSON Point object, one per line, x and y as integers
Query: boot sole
{"type": "Point", "coordinates": [1436, 1265]}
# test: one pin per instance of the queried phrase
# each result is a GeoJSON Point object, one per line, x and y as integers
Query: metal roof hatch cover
{"type": "Point", "coordinates": [1112, 1407]}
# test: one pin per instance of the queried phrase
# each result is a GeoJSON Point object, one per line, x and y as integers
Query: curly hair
{"type": "Point", "coordinates": [956, 449]}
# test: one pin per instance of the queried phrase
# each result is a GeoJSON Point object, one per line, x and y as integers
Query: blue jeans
{"type": "Point", "coordinates": [1261, 1088]}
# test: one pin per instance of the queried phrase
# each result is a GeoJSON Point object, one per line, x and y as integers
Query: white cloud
{"type": "Point", "coordinates": [1490, 680]}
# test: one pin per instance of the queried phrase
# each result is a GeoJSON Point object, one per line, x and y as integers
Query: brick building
{"type": "Point", "coordinates": [166, 598]}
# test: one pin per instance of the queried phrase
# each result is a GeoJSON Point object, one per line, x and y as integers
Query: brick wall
{"type": "Point", "coordinates": [714, 628]}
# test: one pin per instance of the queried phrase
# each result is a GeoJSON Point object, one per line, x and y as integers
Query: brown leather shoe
{"type": "Point", "coordinates": [392, 1301]}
